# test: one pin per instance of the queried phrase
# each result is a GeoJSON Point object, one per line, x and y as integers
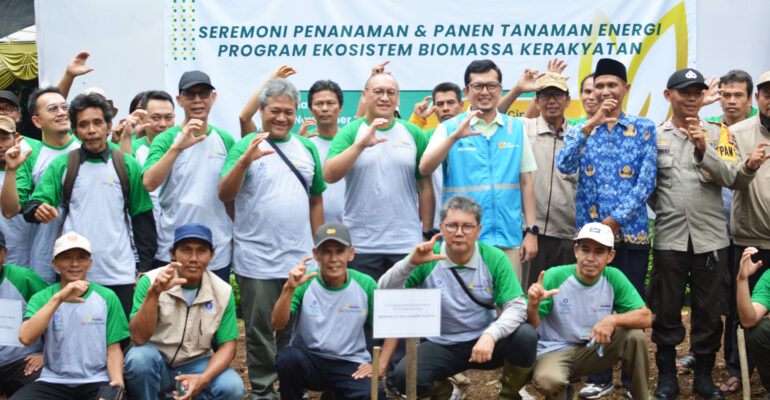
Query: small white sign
{"type": "Point", "coordinates": [407, 313]}
{"type": "Point", "coordinates": [10, 322]}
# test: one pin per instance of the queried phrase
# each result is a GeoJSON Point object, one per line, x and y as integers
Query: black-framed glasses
{"type": "Point", "coordinates": [204, 94]}
{"type": "Point", "coordinates": [551, 94]}
{"type": "Point", "coordinates": [492, 87]}
{"type": "Point", "coordinates": [8, 110]}
{"type": "Point", "coordinates": [467, 228]}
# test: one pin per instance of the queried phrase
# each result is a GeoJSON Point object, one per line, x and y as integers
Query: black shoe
{"type": "Point", "coordinates": [668, 386]}
{"type": "Point", "coordinates": [702, 383]}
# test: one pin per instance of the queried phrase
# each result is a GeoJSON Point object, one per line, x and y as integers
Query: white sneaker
{"type": "Point", "coordinates": [458, 393]}
{"type": "Point", "coordinates": [595, 391]}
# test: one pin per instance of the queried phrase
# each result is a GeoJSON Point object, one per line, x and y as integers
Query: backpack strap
{"type": "Point", "coordinates": [73, 165]}
{"type": "Point", "coordinates": [119, 162]}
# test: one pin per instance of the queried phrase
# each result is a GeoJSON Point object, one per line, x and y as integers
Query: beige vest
{"type": "Point", "coordinates": [182, 333]}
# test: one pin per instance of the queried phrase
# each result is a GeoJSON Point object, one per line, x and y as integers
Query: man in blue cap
{"type": "Point", "coordinates": [178, 310]}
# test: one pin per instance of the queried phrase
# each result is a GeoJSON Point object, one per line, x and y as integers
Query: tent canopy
{"type": "Point", "coordinates": [18, 57]}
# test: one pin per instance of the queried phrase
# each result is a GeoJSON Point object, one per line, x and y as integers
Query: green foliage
{"type": "Point", "coordinates": [236, 293]}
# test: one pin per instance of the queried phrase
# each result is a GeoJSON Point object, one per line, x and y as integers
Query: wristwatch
{"type": "Point", "coordinates": [533, 230]}
{"type": "Point", "coordinates": [428, 235]}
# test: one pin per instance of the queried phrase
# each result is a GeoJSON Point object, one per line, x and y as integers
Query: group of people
{"type": "Point", "coordinates": [119, 238]}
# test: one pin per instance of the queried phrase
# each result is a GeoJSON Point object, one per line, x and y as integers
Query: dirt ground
{"type": "Point", "coordinates": [484, 383]}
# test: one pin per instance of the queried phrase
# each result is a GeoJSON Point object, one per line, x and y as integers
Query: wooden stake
{"type": "Point", "coordinates": [411, 369]}
{"type": "Point", "coordinates": [375, 371]}
{"type": "Point", "coordinates": [744, 364]}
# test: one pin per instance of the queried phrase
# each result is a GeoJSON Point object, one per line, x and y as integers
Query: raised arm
{"type": "Point", "coordinates": [252, 105]}
{"type": "Point", "coordinates": [749, 312]}
{"type": "Point", "coordinates": [75, 68]}
{"type": "Point", "coordinates": [282, 308]}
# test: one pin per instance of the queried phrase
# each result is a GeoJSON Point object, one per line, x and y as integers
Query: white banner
{"type": "Point", "coordinates": [239, 45]}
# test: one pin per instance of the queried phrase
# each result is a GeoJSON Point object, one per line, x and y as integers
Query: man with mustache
{"type": "Point", "coordinates": [690, 237]}
{"type": "Point", "coordinates": [97, 206]}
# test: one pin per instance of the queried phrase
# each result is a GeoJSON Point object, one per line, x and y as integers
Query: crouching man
{"type": "Point", "coordinates": [572, 307]}
{"type": "Point", "coordinates": [474, 278]}
{"type": "Point", "coordinates": [752, 310]}
{"type": "Point", "coordinates": [82, 325]}
{"type": "Point", "coordinates": [328, 347]}
{"type": "Point", "coordinates": [178, 310]}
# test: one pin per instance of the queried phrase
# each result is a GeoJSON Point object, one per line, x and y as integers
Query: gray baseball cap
{"type": "Point", "coordinates": [332, 231]}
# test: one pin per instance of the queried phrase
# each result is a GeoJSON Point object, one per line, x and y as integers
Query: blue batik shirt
{"type": "Point", "coordinates": [617, 174]}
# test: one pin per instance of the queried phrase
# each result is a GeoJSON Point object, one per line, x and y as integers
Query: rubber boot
{"type": "Point", "coordinates": [702, 383]}
{"type": "Point", "coordinates": [668, 386]}
{"type": "Point", "coordinates": [442, 390]}
{"type": "Point", "coordinates": [514, 378]}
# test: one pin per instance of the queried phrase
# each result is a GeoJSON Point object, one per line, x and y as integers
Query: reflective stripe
{"type": "Point", "coordinates": [507, 186]}
{"type": "Point", "coordinates": [464, 189]}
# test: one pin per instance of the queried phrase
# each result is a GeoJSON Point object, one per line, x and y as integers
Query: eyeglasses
{"type": "Point", "coordinates": [492, 87]}
{"type": "Point", "coordinates": [467, 228]}
{"type": "Point", "coordinates": [554, 94]}
{"type": "Point", "coordinates": [378, 92]}
{"type": "Point", "coordinates": [8, 110]}
{"type": "Point", "coordinates": [202, 93]}
{"type": "Point", "coordinates": [53, 109]}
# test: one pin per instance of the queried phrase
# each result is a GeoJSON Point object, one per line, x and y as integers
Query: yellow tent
{"type": "Point", "coordinates": [18, 57]}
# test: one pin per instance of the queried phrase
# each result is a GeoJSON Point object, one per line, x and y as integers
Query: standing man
{"type": "Point", "coordinates": [83, 325]}
{"type": "Point", "coordinates": [328, 347]}
{"type": "Point", "coordinates": [169, 300]}
{"type": "Point", "coordinates": [19, 365]}
{"type": "Point", "coordinates": [325, 100]}
{"type": "Point", "coordinates": [283, 190]}
{"type": "Point", "coordinates": [378, 156]}
{"type": "Point", "coordinates": [487, 156]}
{"type": "Point", "coordinates": [691, 240]}
{"type": "Point", "coordinates": [95, 201]}
{"type": "Point", "coordinates": [472, 335]}
{"type": "Point", "coordinates": [25, 165]}
{"type": "Point", "coordinates": [616, 157]}
{"type": "Point", "coordinates": [185, 162]}
{"type": "Point", "coordinates": [18, 233]}
{"type": "Point", "coordinates": [734, 95]}
{"type": "Point", "coordinates": [554, 191]}
{"type": "Point", "coordinates": [589, 316]}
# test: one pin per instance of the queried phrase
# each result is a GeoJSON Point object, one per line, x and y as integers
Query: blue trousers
{"type": "Point", "coordinates": [299, 369]}
{"type": "Point", "coordinates": [146, 375]}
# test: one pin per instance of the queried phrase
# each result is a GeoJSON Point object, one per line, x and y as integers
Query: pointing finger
{"type": "Point", "coordinates": [304, 260]}
{"type": "Point", "coordinates": [540, 278]}
{"type": "Point", "coordinates": [436, 237]}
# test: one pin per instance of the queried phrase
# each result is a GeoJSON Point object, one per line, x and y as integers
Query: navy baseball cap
{"type": "Point", "coordinates": [684, 78]}
{"type": "Point", "coordinates": [193, 231]}
{"type": "Point", "coordinates": [192, 78]}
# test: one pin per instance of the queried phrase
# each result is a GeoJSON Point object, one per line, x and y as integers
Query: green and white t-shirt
{"type": "Point", "coordinates": [718, 118]}
{"type": "Point", "coordinates": [334, 196]}
{"type": "Point", "coordinates": [140, 150]}
{"type": "Point", "coordinates": [761, 293]}
{"type": "Point", "coordinates": [381, 187]}
{"type": "Point", "coordinates": [569, 316]}
{"type": "Point", "coordinates": [272, 196]}
{"type": "Point", "coordinates": [489, 277]}
{"type": "Point", "coordinates": [17, 285]}
{"type": "Point", "coordinates": [189, 192]}
{"type": "Point", "coordinates": [77, 336]}
{"type": "Point", "coordinates": [331, 321]}
{"type": "Point", "coordinates": [18, 233]}
{"type": "Point", "coordinates": [228, 326]}
{"type": "Point", "coordinates": [96, 212]}
{"type": "Point", "coordinates": [27, 178]}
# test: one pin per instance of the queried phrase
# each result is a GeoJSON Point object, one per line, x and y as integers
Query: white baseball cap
{"type": "Point", "coordinates": [597, 232]}
{"type": "Point", "coordinates": [70, 240]}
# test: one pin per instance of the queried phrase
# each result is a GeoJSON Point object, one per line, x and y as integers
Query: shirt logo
{"type": "Point", "coordinates": [506, 145]}
{"type": "Point", "coordinates": [564, 307]}
{"type": "Point", "coordinates": [217, 154]}
{"type": "Point", "coordinates": [630, 131]}
{"type": "Point", "coordinates": [626, 172]}
{"type": "Point", "coordinates": [208, 308]}
{"type": "Point", "coordinates": [92, 321]}
{"type": "Point", "coordinates": [351, 308]}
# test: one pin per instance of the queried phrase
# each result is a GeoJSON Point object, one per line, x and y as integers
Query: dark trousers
{"type": "Point", "coordinates": [299, 369]}
{"type": "Point", "coordinates": [709, 286]}
{"type": "Point", "coordinates": [554, 252]}
{"type": "Point", "coordinates": [12, 377]}
{"type": "Point", "coordinates": [733, 362]}
{"type": "Point", "coordinates": [125, 294]}
{"type": "Point", "coordinates": [374, 265]}
{"type": "Point", "coordinates": [54, 391]}
{"type": "Point", "coordinates": [437, 362]}
{"type": "Point", "coordinates": [730, 341]}
{"type": "Point", "coordinates": [758, 344]}
{"type": "Point", "coordinates": [633, 263]}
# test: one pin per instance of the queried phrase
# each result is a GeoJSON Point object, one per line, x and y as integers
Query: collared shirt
{"type": "Point", "coordinates": [472, 263]}
{"type": "Point", "coordinates": [750, 219]}
{"type": "Point", "coordinates": [554, 191]}
{"type": "Point", "coordinates": [688, 198]}
{"type": "Point", "coordinates": [528, 163]}
{"type": "Point", "coordinates": [617, 174]}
